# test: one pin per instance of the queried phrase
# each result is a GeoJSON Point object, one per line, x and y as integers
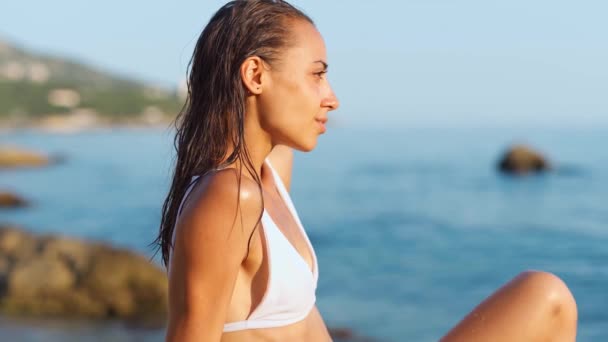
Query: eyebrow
{"type": "Point", "coordinates": [325, 65]}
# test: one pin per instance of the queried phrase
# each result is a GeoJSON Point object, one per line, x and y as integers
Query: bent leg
{"type": "Point", "coordinates": [534, 306]}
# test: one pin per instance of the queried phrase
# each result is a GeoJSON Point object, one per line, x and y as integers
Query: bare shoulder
{"type": "Point", "coordinates": [281, 158]}
{"type": "Point", "coordinates": [220, 210]}
{"type": "Point", "coordinates": [211, 239]}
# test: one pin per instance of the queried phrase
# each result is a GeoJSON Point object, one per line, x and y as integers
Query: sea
{"type": "Point", "coordinates": [412, 224]}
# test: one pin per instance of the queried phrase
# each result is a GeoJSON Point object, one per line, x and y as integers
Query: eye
{"type": "Point", "coordinates": [320, 74]}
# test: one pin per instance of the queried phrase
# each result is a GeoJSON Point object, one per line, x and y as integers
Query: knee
{"type": "Point", "coordinates": [553, 293]}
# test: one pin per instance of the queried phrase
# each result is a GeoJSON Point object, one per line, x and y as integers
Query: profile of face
{"type": "Point", "coordinates": [294, 96]}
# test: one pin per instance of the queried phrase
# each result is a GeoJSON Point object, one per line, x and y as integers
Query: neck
{"type": "Point", "coordinates": [257, 141]}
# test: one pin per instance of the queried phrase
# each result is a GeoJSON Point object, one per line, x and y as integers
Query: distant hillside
{"type": "Point", "coordinates": [35, 86]}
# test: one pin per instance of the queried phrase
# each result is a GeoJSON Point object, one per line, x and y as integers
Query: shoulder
{"type": "Point", "coordinates": [211, 242]}
{"type": "Point", "coordinates": [225, 188]}
{"type": "Point", "coordinates": [221, 209]}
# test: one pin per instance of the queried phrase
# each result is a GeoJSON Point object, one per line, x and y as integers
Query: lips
{"type": "Point", "coordinates": [321, 122]}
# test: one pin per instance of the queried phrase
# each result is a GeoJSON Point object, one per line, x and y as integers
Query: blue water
{"type": "Point", "coordinates": [412, 226]}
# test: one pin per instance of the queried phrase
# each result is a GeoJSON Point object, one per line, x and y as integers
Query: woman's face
{"type": "Point", "coordinates": [297, 96]}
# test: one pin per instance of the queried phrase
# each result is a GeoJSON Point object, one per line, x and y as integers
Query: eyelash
{"type": "Point", "coordinates": [321, 73]}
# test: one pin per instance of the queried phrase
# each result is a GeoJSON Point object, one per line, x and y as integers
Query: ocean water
{"type": "Point", "coordinates": [412, 226]}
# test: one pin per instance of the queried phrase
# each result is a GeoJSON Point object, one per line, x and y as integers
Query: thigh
{"type": "Point", "coordinates": [534, 306]}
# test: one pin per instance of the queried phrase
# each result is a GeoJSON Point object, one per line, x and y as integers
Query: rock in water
{"type": "Point", "coordinates": [12, 157]}
{"type": "Point", "coordinates": [9, 200]}
{"type": "Point", "coordinates": [51, 276]}
{"type": "Point", "coordinates": [347, 335]}
{"type": "Point", "coordinates": [521, 160]}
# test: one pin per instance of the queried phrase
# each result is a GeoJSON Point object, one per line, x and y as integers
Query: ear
{"type": "Point", "coordinates": [252, 70]}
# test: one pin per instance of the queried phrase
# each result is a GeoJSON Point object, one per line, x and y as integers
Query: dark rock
{"type": "Point", "coordinates": [9, 200]}
{"type": "Point", "coordinates": [521, 160]}
{"type": "Point", "coordinates": [341, 333]}
{"type": "Point", "coordinates": [347, 335]}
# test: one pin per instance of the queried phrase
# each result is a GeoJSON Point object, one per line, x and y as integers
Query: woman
{"type": "Point", "coordinates": [241, 267]}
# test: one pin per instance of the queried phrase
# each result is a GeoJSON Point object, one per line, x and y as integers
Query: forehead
{"type": "Point", "coordinates": [307, 42]}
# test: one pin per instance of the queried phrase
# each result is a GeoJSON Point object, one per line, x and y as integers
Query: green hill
{"type": "Point", "coordinates": [34, 86]}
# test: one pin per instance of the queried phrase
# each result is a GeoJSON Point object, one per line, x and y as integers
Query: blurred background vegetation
{"type": "Point", "coordinates": [34, 87]}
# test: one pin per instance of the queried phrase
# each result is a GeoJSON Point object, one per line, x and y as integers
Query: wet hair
{"type": "Point", "coordinates": [215, 106]}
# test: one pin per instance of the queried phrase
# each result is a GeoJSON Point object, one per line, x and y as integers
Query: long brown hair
{"type": "Point", "coordinates": [215, 107]}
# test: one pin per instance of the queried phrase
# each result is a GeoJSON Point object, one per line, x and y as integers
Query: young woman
{"type": "Point", "coordinates": [241, 267]}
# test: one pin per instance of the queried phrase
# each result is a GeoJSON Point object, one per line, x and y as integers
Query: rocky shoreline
{"type": "Point", "coordinates": [75, 123]}
{"type": "Point", "coordinates": [50, 276]}
{"type": "Point", "coordinates": [56, 276]}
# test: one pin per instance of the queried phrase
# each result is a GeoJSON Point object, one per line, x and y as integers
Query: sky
{"type": "Point", "coordinates": [410, 61]}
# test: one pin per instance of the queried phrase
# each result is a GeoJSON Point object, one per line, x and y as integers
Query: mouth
{"type": "Point", "coordinates": [321, 123]}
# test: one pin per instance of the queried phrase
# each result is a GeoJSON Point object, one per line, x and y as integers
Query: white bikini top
{"type": "Point", "coordinates": [291, 289]}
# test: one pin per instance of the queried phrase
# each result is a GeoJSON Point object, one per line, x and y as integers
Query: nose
{"type": "Point", "coordinates": [331, 101]}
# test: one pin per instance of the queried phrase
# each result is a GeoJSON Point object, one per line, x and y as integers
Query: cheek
{"type": "Point", "coordinates": [290, 107]}
{"type": "Point", "coordinates": [302, 97]}
{"type": "Point", "coordinates": [296, 99]}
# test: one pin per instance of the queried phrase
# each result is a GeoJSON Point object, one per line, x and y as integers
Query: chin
{"type": "Point", "coordinates": [306, 146]}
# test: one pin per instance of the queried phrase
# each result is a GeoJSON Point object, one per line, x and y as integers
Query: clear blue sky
{"type": "Point", "coordinates": [428, 61]}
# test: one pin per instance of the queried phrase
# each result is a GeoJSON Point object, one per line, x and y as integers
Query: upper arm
{"type": "Point", "coordinates": [281, 158]}
{"type": "Point", "coordinates": [210, 244]}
